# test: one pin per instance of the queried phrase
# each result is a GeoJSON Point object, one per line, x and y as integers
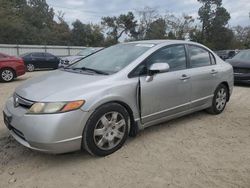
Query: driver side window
{"type": "Point", "coordinates": [175, 56]}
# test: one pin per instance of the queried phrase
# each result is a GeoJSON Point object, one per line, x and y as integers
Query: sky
{"type": "Point", "coordinates": [93, 10]}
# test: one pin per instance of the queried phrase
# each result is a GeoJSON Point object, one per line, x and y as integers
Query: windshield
{"type": "Point", "coordinates": [86, 52]}
{"type": "Point", "coordinates": [114, 58]}
{"type": "Point", "coordinates": [22, 55]}
{"type": "Point", "coordinates": [243, 55]}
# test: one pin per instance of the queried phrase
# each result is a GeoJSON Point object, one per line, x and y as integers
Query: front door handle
{"type": "Point", "coordinates": [184, 77]}
{"type": "Point", "coordinates": [213, 71]}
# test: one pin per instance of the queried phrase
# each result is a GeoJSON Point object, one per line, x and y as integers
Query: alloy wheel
{"type": "Point", "coordinates": [221, 99]}
{"type": "Point", "coordinates": [30, 67]}
{"type": "Point", "coordinates": [7, 75]}
{"type": "Point", "coordinates": [109, 130]}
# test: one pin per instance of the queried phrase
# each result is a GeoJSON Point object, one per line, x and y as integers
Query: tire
{"type": "Point", "coordinates": [30, 67]}
{"type": "Point", "coordinates": [221, 95]}
{"type": "Point", "coordinates": [7, 75]}
{"type": "Point", "coordinates": [106, 130]}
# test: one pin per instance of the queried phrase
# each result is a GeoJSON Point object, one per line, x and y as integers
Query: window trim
{"type": "Point", "coordinates": [130, 74]}
{"type": "Point", "coordinates": [46, 54]}
{"type": "Point", "coordinates": [189, 57]}
{"type": "Point", "coordinates": [32, 54]}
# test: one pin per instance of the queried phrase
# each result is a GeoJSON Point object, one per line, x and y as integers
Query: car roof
{"type": "Point", "coordinates": [164, 41]}
{"type": "Point", "coordinates": [3, 54]}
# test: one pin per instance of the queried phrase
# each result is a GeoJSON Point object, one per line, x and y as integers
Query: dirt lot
{"type": "Point", "coordinates": [198, 150]}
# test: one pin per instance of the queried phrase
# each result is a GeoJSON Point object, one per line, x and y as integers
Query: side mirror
{"type": "Point", "coordinates": [158, 68]}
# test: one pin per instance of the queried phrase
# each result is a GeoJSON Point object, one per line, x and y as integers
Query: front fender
{"type": "Point", "coordinates": [125, 93]}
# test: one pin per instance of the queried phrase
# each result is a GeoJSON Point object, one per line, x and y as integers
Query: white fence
{"type": "Point", "coordinates": [16, 50]}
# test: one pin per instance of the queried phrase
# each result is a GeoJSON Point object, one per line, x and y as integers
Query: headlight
{"type": "Point", "coordinates": [55, 107]}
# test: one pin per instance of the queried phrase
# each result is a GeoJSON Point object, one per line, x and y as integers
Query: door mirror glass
{"type": "Point", "coordinates": [158, 68]}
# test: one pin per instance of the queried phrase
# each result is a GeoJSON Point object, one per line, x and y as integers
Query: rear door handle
{"type": "Point", "coordinates": [184, 77]}
{"type": "Point", "coordinates": [213, 71]}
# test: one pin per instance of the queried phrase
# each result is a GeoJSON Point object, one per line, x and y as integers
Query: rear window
{"type": "Point", "coordinates": [199, 57]}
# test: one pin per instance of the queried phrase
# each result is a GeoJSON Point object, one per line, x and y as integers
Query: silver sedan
{"type": "Point", "coordinates": [98, 101]}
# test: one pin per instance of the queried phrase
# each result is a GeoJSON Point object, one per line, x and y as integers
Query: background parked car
{"type": "Point", "coordinates": [226, 54]}
{"type": "Point", "coordinates": [40, 60]}
{"type": "Point", "coordinates": [65, 61]}
{"type": "Point", "coordinates": [241, 66]}
{"type": "Point", "coordinates": [10, 67]}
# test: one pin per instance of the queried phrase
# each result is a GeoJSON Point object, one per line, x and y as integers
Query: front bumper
{"type": "Point", "coordinates": [51, 133]}
{"type": "Point", "coordinates": [20, 70]}
{"type": "Point", "coordinates": [242, 78]}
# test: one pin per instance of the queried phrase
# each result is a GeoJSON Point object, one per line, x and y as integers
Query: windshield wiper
{"type": "Point", "coordinates": [93, 70]}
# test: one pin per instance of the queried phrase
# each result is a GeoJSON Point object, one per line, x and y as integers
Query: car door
{"type": "Point", "coordinates": [204, 75]}
{"type": "Point", "coordinates": [51, 61]}
{"type": "Point", "coordinates": [167, 93]}
{"type": "Point", "coordinates": [37, 59]}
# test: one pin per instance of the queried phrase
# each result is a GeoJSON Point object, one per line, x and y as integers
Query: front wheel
{"type": "Point", "coordinates": [7, 75]}
{"type": "Point", "coordinates": [221, 95]}
{"type": "Point", "coordinates": [106, 130]}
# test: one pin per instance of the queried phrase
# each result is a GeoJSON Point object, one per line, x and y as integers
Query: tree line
{"type": "Point", "coordinates": [35, 22]}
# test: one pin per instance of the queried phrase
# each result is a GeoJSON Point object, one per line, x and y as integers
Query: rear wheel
{"type": "Point", "coordinates": [106, 130]}
{"type": "Point", "coordinates": [30, 67]}
{"type": "Point", "coordinates": [7, 75]}
{"type": "Point", "coordinates": [221, 95]}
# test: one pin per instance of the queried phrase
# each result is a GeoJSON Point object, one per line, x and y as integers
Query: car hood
{"type": "Point", "coordinates": [11, 58]}
{"type": "Point", "coordinates": [60, 85]}
{"type": "Point", "coordinates": [72, 58]}
{"type": "Point", "coordinates": [239, 63]}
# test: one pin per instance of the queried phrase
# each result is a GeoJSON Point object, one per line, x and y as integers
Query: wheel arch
{"type": "Point", "coordinates": [127, 108]}
{"type": "Point", "coordinates": [132, 123]}
{"type": "Point", "coordinates": [14, 71]}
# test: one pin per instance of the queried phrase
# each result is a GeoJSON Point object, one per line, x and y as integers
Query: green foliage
{"type": "Point", "coordinates": [116, 26]}
{"type": "Point", "coordinates": [86, 34]}
{"type": "Point", "coordinates": [35, 22]}
{"type": "Point", "coordinates": [157, 30]}
{"type": "Point", "coordinates": [214, 19]}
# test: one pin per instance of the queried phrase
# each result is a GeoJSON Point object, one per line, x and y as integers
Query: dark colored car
{"type": "Point", "coordinates": [40, 60]}
{"type": "Point", "coordinates": [241, 66]}
{"type": "Point", "coordinates": [68, 60]}
{"type": "Point", "coordinates": [10, 67]}
{"type": "Point", "coordinates": [226, 54]}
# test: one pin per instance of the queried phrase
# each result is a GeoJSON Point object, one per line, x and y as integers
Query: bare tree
{"type": "Point", "coordinates": [147, 16]}
{"type": "Point", "coordinates": [180, 26]}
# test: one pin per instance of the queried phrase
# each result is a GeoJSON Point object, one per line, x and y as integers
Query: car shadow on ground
{"type": "Point", "coordinates": [11, 149]}
{"type": "Point", "coordinates": [242, 85]}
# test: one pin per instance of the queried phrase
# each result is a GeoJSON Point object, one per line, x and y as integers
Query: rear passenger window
{"type": "Point", "coordinates": [199, 57]}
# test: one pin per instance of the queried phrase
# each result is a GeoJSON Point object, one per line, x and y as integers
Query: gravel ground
{"type": "Point", "coordinates": [198, 150]}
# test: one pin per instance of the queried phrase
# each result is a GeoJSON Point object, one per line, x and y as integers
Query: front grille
{"type": "Point", "coordinates": [7, 121]}
{"type": "Point", "coordinates": [64, 61]}
{"type": "Point", "coordinates": [241, 70]}
{"type": "Point", "coordinates": [19, 101]}
{"type": "Point", "coordinates": [18, 133]}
